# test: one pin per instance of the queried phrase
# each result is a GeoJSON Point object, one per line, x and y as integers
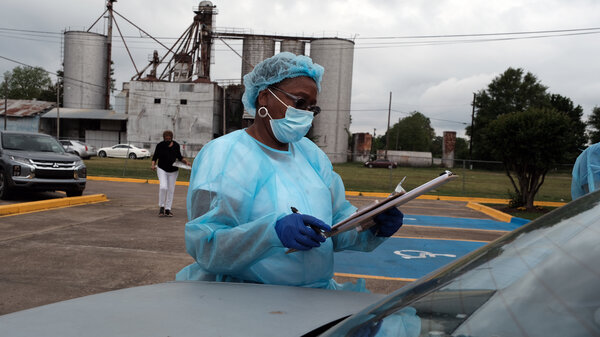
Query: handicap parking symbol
{"type": "Point", "coordinates": [419, 254]}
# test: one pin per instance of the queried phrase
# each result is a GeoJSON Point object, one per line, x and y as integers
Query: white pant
{"type": "Point", "coordinates": [167, 187]}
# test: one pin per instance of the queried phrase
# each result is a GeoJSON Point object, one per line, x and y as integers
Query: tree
{"type": "Point", "coordinates": [436, 146]}
{"type": "Point", "coordinates": [594, 124]}
{"type": "Point", "coordinates": [576, 125]}
{"type": "Point", "coordinates": [412, 133]}
{"type": "Point", "coordinates": [530, 143]}
{"type": "Point", "coordinates": [27, 82]}
{"type": "Point", "coordinates": [510, 92]}
{"type": "Point", "coordinates": [49, 95]}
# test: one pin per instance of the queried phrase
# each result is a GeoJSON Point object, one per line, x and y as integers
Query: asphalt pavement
{"type": "Point", "coordinates": [63, 253]}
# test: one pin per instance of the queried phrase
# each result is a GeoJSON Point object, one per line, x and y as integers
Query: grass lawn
{"type": "Point", "coordinates": [356, 177]}
{"type": "Point", "coordinates": [471, 183]}
{"type": "Point", "coordinates": [126, 168]}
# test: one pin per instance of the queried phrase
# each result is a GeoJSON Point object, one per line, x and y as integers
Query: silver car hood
{"type": "Point", "coordinates": [46, 156]}
{"type": "Point", "coordinates": [189, 309]}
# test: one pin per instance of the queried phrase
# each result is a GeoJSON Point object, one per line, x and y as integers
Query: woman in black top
{"type": "Point", "coordinates": [166, 153]}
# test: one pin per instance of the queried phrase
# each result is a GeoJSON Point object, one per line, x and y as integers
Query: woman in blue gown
{"type": "Point", "coordinates": [244, 185]}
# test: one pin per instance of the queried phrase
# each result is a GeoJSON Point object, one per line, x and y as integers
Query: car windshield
{"type": "Point", "coordinates": [30, 142]}
{"type": "Point", "coordinates": [540, 280]}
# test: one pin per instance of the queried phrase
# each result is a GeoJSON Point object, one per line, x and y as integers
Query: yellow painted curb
{"type": "Point", "coordinates": [35, 206]}
{"type": "Point", "coordinates": [132, 180]}
{"type": "Point", "coordinates": [466, 199]}
{"type": "Point", "coordinates": [123, 180]}
{"type": "Point", "coordinates": [494, 213]}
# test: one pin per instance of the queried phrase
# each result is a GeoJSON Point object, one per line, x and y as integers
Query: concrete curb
{"type": "Point", "coordinates": [496, 214]}
{"type": "Point", "coordinates": [36, 206]}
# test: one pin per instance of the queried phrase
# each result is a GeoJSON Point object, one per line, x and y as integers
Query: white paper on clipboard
{"type": "Point", "coordinates": [182, 165]}
{"type": "Point", "coordinates": [363, 218]}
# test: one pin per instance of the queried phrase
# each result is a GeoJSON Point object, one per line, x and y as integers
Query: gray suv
{"type": "Point", "coordinates": [35, 161]}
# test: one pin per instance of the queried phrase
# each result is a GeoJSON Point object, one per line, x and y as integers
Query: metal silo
{"type": "Point", "coordinates": [254, 50]}
{"type": "Point", "coordinates": [331, 127]}
{"type": "Point", "coordinates": [293, 46]}
{"type": "Point", "coordinates": [85, 70]}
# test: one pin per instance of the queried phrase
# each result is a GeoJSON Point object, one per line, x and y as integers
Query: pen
{"type": "Point", "coordinates": [314, 228]}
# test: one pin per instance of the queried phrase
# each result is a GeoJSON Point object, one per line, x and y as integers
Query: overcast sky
{"type": "Point", "coordinates": [435, 76]}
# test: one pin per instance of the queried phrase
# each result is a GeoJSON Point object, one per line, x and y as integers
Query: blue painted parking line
{"type": "Point", "coordinates": [447, 222]}
{"type": "Point", "coordinates": [403, 258]}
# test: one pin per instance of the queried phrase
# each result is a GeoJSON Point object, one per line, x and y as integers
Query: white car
{"type": "Point", "coordinates": [79, 148]}
{"type": "Point", "coordinates": [123, 151]}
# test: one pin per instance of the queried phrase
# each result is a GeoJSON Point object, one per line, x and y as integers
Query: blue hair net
{"type": "Point", "coordinates": [586, 172]}
{"type": "Point", "coordinates": [274, 70]}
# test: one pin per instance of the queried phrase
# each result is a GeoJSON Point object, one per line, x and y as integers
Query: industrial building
{"type": "Point", "coordinates": [175, 91]}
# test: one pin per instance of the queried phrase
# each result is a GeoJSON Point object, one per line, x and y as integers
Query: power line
{"type": "Point", "coordinates": [479, 34]}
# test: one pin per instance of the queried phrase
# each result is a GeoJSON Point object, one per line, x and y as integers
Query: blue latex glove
{"type": "Point", "coordinates": [388, 222]}
{"type": "Point", "coordinates": [294, 232]}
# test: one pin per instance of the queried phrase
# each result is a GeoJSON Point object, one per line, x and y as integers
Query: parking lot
{"type": "Point", "coordinates": [63, 253]}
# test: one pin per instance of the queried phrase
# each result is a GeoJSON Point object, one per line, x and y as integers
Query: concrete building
{"type": "Point", "coordinates": [408, 158]}
{"type": "Point", "coordinates": [361, 147]}
{"type": "Point", "coordinates": [97, 127]}
{"type": "Point", "coordinates": [193, 111]}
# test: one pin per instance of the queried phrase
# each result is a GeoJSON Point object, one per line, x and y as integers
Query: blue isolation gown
{"type": "Point", "coordinates": [239, 188]}
{"type": "Point", "coordinates": [586, 172]}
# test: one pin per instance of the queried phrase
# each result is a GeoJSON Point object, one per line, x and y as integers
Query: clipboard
{"type": "Point", "coordinates": [182, 165]}
{"type": "Point", "coordinates": [364, 218]}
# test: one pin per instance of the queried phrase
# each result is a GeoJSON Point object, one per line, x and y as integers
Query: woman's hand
{"type": "Point", "coordinates": [388, 222]}
{"type": "Point", "coordinates": [296, 231]}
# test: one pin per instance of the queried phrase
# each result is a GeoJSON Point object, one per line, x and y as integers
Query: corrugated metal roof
{"type": "Point", "coordinates": [25, 108]}
{"type": "Point", "coordinates": [75, 113]}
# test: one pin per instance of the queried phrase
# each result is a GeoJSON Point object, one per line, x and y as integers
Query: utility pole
{"type": "Point", "coordinates": [398, 134]}
{"type": "Point", "coordinates": [5, 102]}
{"type": "Point", "coordinates": [109, 6]}
{"type": "Point", "coordinates": [387, 134]}
{"type": "Point", "coordinates": [57, 108]}
{"type": "Point", "coordinates": [472, 132]}
{"type": "Point", "coordinates": [224, 110]}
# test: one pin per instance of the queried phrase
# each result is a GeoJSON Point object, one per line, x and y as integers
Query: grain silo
{"type": "Point", "coordinates": [254, 50]}
{"type": "Point", "coordinates": [331, 127]}
{"type": "Point", "coordinates": [85, 70]}
{"type": "Point", "coordinates": [293, 46]}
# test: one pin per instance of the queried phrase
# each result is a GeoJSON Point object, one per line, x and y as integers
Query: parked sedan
{"type": "Point", "coordinates": [542, 279]}
{"type": "Point", "coordinates": [123, 151]}
{"type": "Point", "coordinates": [381, 163]}
{"type": "Point", "coordinates": [79, 148]}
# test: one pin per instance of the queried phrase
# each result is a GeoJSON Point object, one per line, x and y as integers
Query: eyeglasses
{"type": "Point", "coordinates": [299, 102]}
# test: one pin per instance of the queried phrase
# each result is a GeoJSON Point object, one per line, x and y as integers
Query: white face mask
{"type": "Point", "coordinates": [293, 126]}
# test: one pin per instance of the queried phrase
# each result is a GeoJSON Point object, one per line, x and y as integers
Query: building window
{"type": "Point", "coordinates": [183, 101]}
{"type": "Point", "coordinates": [186, 88]}
{"type": "Point", "coordinates": [157, 101]}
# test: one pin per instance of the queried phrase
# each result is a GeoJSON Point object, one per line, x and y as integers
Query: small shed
{"type": "Point", "coordinates": [22, 114]}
